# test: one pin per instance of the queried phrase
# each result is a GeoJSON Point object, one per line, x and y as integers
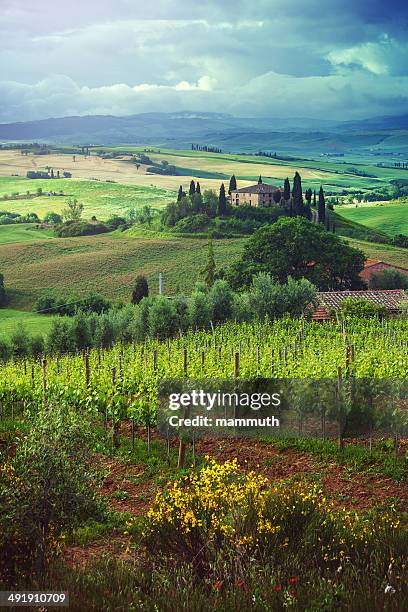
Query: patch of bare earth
{"type": "Point", "coordinates": [112, 545]}
{"type": "Point", "coordinates": [354, 491]}
{"type": "Point", "coordinates": [123, 486]}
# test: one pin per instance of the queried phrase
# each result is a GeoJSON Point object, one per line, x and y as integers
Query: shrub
{"type": "Point", "coordinates": [199, 310]}
{"type": "Point", "coordinates": [3, 296]}
{"type": "Point", "coordinates": [221, 300]}
{"type": "Point", "coordinates": [52, 217]}
{"type": "Point", "coordinates": [80, 228]}
{"type": "Point", "coordinates": [389, 279]}
{"type": "Point", "coordinates": [47, 490]}
{"type": "Point", "coordinates": [358, 307]}
{"type": "Point", "coordinates": [162, 318]}
{"type": "Point", "coordinates": [20, 343]}
{"type": "Point", "coordinates": [400, 240]}
{"type": "Point", "coordinates": [221, 514]}
{"type": "Point", "coordinates": [140, 290]}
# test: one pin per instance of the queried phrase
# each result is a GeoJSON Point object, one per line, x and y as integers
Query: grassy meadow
{"type": "Point", "coordinates": [100, 198]}
{"type": "Point", "coordinates": [32, 322]}
{"type": "Point", "coordinates": [23, 232]}
{"type": "Point", "coordinates": [106, 263]}
{"type": "Point", "coordinates": [388, 217]}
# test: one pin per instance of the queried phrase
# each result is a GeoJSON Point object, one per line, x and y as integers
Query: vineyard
{"type": "Point", "coordinates": [121, 382]}
{"type": "Point", "coordinates": [220, 520]}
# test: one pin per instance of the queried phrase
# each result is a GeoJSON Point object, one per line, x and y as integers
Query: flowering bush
{"type": "Point", "coordinates": [221, 508]}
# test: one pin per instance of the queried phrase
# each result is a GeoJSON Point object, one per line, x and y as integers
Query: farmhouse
{"type": "Point", "coordinates": [372, 266]}
{"type": "Point", "coordinates": [329, 301]}
{"type": "Point", "coordinates": [254, 195]}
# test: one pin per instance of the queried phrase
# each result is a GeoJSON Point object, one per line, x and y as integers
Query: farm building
{"type": "Point", "coordinates": [329, 301]}
{"type": "Point", "coordinates": [372, 266]}
{"type": "Point", "coordinates": [254, 195]}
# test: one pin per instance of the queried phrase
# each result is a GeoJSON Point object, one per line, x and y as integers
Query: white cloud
{"type": "Point", "coordinates": [384, 57]}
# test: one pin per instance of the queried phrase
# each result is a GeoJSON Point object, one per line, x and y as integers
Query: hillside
{"type": "Point", "coordinates": [107, 264]}
{"type": "Point", "coordinates": [233, 133]}
{"type": "Point", "coordinates": [388, 217]}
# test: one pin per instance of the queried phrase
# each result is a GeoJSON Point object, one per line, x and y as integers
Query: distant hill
{"type": "Point", "coordinates": [216, 129]}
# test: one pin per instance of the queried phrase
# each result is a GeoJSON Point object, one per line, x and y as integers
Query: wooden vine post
{"type": "Point", "coordinates": [182, 444]}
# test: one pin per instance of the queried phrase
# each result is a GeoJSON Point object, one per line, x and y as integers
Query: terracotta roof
{"type": "Point", "coordinates": [371, 262]}
{"type": "Point", "coordinates": [390, 298]}
{"type": "Point", "coordinates": [259, 188]}
{"type": "Point", "coordinates": [320, 314]}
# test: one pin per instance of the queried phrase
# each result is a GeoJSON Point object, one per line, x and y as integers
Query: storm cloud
{"type": "Point", "coordinates": [343, 59]}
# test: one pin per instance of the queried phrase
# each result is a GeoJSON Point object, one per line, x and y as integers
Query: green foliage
{"type": "Point", "coordinates": [400, 240]}
{"type": "Point", "coordinates": [269, 298]}
{"type": "Point", "coordinates": [20, 342]}
{"type": "Point", "coordinates": [3, 296]}
{"type": "Point", "coordinates": [298, 248]}
{"type": "Point", "coordinates": [199, 310]}
{"type": "Point", "coordinates": [389, 279]}
{"type": "Point", "coordinates": [52, 303]}
{"type": "Point", "coordinates": [51, 490]}
{"type": "Point", "coordinates": [209, 272]}
{"type": "Point", "coordinates": [73, 211]}
{"type": "Point", "coordinates": [222, 202]}
{"type": "Point", "coordinates": [321, 207]}
{"type": "Point", "coordinates": [80, 228]}
{"type": "Point", "coordinates": [140, 290]}
{"type": "Point", "coordinates": [221, 299]}
{"type": "Point", "coordinates": [162, 318]}
{"type": "Point", "coordinates": [52, 217]}
{"type": "Point", "coordinates": [358, 307]}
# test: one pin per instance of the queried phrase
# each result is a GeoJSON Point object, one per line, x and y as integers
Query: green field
{"type": "Point", "coordinates": [106, 263]}
{"type": "Point", "coordinates": [391, 218]}
{"type": "Point", "coordinates": [383, 252]}
{"type": "Point", "coordinates": [33, 323]}
{"type": "Point", "coordinates": [22, 232]}
{"type": "Point", "coordinates": [335, 174]}
{"type": "Point", "coordinates": [100, 198]}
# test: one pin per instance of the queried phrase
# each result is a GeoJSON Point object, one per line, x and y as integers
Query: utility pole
{"type": "Point", "coordinates": [160, 283]}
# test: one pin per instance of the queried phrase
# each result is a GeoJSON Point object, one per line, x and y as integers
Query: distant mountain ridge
{"type": "Point", "coordinates": [180, 129]}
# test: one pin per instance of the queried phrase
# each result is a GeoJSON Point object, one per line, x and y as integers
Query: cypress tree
{"type": "Point", "coordinates": [260, 180]}
{"type": "Point", "coordinates": [222, 202]}
{"type": "Point", "coordinates": [297, 194]}
{"type": "Point", "coordinates": [232, 184]}
{"type": "Point", "coordinates": [198, 188]}
{"type": "Point", "coordinates": [286, 190]}
{"type": "Point", "coordinates": [321, 210]}
{"type": "Point", "coordinates": [210, 267]}
{"type": "Point", "coordinates": [192, 189]}
{"type": "Point", "coordinates": [140, 290]}
{"type": "Point", "coordinates": [180, 194]}
{"type": "Point", "coordinates": [314, 198]}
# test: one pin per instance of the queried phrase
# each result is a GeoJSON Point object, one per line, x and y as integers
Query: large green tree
{"type": "Point", "coordinates": [222, 202]}
{"type": "Point", "coordinates": [140, 289]}
{"type": "Point", "coordinates": [286, 190]}
{"type": "Point", "coordinates": [209, 271]}
{"type": "Point", "coordinates": [298, 204]}
{"type": "Point", "coordinates": [232, 184]}
{"type": "Point", "coordinates": [321, 207]}
{"type": "Point", "coordinates": [295, 247]}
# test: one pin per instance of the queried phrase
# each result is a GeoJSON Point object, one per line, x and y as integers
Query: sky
{"type": "Point", "coordinates": [332, 59]}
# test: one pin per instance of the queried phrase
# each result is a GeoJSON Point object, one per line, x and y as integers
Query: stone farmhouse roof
{"type": "Point", "coordinates": [390, 298]}
{"type": "Point", "coordinates": [259, 188]}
